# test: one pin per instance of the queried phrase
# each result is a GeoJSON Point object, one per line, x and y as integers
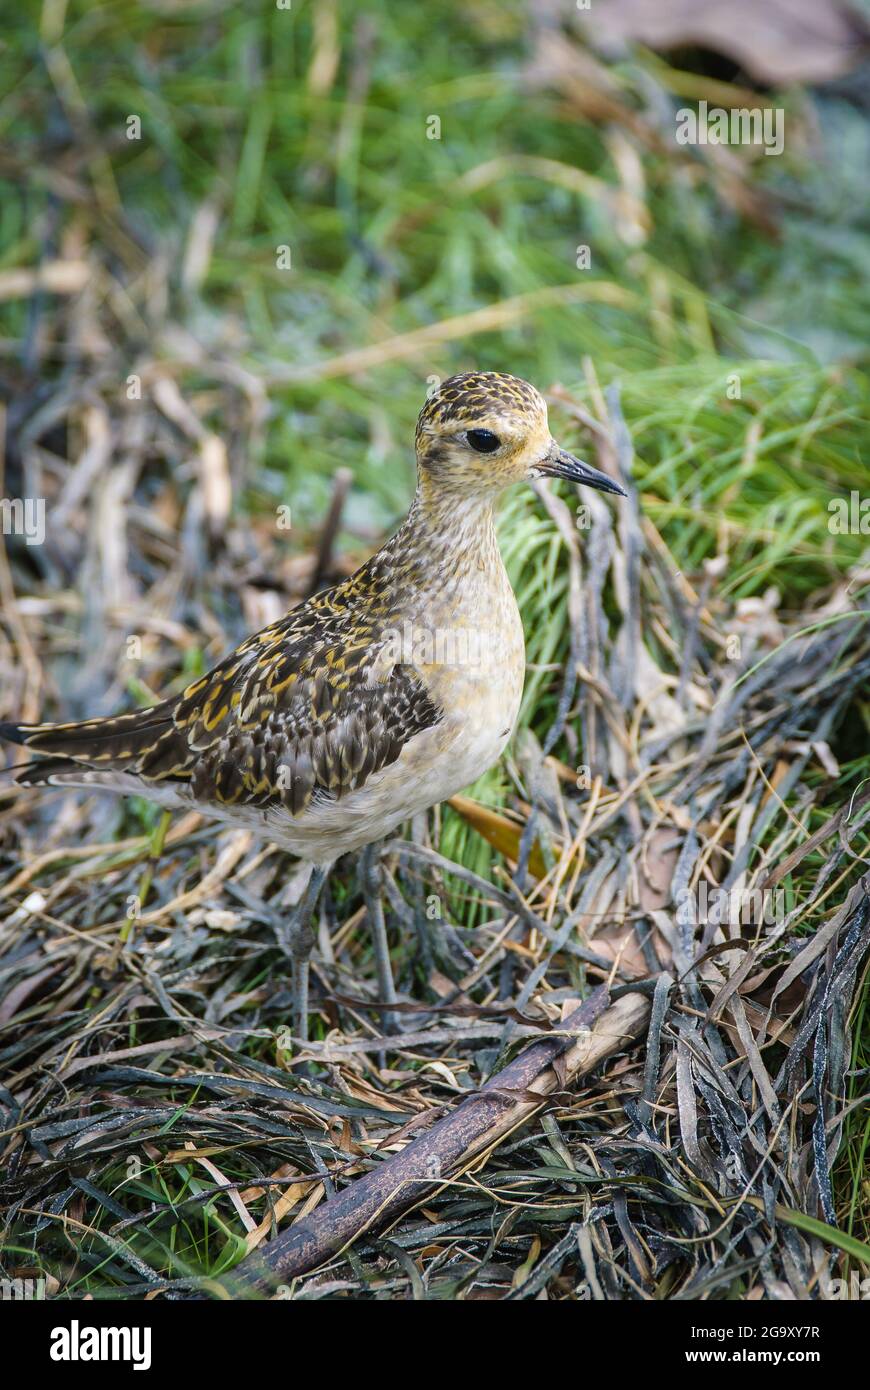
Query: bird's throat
{"type": "Point", "coordinates": [453, 528]}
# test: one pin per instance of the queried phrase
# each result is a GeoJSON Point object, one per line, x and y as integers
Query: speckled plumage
{"type": "Point", "coordinates": [329, 727]}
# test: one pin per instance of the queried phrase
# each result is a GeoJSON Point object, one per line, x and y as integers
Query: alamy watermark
{"type": "Point", "coordinates": [413, 645]}
{"type": "Point", "coordinates": [850, 516]}
{"type": "Point", "coordinates": [23, 516]}
{"type": "Point", "coordinates": [20, 1289]}
{"type": "Point", "coordinates": [78, 1343]}
{"type": "Point", "coordinates": [855, 1289]}
{"type": "Point", "coordinates": [737, 906]}
{"type": "Point", "coordinates": [744, 125]}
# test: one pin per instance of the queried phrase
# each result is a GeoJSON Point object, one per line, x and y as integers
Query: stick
{"type": "Point", "coordinates": [399, 1182]}
{"type": "Point", "coordinates": [323, 564]}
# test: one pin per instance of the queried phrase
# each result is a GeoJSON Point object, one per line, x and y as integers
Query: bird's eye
{"type": "Point", "coordinates": [484, 441]}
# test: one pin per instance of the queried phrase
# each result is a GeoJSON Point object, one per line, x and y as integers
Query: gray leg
{"type": "Point", "coordinates": [371, 886]}
{"type": "Point", "coordinates": [300, 941]}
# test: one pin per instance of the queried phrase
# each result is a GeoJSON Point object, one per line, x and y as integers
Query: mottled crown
{"type": "Point", "coordinates": [469, 397]}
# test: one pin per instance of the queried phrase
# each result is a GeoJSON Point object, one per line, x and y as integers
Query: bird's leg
{"type": "Point", "coordinates": [422, 929]}
{"type": "Point", "coordinates": [371, 885]}
{"type": "Point", "coordinates": [300, 943]}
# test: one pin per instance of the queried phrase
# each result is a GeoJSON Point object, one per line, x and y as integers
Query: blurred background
{"type": "Point", "coordinates": [297, 215]}
{"type": "Point", "coordinates": [239, 243]}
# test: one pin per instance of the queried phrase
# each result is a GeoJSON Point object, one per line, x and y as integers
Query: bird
{"type": "Point", "coordinates": [367, 703]}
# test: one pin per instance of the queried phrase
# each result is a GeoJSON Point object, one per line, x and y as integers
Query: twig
{"type": "Point", "coordinates": [323, 564]}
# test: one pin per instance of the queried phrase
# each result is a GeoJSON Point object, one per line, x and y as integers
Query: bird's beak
{"type": "Point", "coordinates": [559, 464]}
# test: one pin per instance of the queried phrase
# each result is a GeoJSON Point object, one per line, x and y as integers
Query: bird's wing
{"type": "Point", "coordinates": [309, 707]}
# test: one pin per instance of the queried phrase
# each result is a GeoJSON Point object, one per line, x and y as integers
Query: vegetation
{"type": "Point", "coordinates": [235, 249]}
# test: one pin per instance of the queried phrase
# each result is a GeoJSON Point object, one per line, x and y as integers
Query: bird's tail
{"type": "Point", "coordinates": [117, 744]}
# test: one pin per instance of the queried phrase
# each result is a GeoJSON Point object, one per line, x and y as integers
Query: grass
{"type": "Point", "coordinates": [730, 318]}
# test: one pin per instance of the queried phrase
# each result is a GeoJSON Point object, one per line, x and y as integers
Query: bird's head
{"type": "Point", "coordinates": [481, 431]}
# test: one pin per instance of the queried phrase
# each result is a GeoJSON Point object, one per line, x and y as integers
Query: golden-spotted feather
{"type": "Point", "coordinates": [308, 707]}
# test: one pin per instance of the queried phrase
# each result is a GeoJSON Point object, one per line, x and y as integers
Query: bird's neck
{"type": "Point", "coordinates": [442, 566]}
{"type": "Point", "coordinates": [455, 527]}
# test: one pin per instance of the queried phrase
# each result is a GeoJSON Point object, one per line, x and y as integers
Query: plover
{"type": "Point", "coordinates": [370, 701]}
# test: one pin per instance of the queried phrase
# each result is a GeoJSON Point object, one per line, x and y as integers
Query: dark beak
{"type": "Point", "coordinates": [559, 464]}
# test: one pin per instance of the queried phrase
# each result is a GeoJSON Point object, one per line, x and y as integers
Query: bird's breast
{"type": "Point", "coordinates": [471, 655]}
